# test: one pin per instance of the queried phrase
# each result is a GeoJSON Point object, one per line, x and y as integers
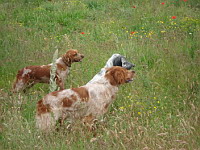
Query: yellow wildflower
{"type": "Point", "coordinates": [121, 108]}
{"type": "Point", "coordinates": [150, 33]}
{"type": "Point", "coordinates": [160, 22]}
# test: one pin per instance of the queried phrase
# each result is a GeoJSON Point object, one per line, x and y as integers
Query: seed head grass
{"type": "Point", "coordinates": [53, 86]}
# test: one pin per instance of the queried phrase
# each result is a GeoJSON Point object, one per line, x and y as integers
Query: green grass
{"type": "Point", "coordinates": [159, 110]}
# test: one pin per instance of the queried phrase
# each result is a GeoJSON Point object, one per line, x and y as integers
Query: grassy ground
{"type": "Point", "coordinates": [159, 110]}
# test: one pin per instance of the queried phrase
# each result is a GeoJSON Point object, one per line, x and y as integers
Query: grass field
{"type": "Point", "coordinates": [159, 110]}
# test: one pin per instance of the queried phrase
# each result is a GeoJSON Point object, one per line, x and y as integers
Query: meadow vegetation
{"type": "Point", "coordinates": [159, 110]}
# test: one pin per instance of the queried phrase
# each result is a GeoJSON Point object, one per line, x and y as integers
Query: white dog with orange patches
{"type": "Point", "coordinates": [87, 102]}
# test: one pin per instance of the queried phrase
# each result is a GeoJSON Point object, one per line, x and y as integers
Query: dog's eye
{"type": "Point", "coordinates": [75, 54]}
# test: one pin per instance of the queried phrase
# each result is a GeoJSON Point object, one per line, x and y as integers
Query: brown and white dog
{"type": "Point", "coordinates": [31, 75]}
{"type": "Point", "coordinates": [87, 102]}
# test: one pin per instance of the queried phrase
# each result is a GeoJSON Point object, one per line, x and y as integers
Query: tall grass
{"type": "Point", "coordinates": [159, 110]}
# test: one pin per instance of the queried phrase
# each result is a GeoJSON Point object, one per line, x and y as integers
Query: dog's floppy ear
{"type": "Point", "coordinates": [116, 75]}
{"type": "Point", "coordinates": [110, 77]}
{"type": "Point", "coordinates": [66, 59]}
{"type": "Point", "coordinates": [117, 61]}
{"type": "Point", "coordinates": [119, 76]}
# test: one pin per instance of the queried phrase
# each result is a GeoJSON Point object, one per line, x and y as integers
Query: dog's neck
{"type": "Point", "coordinates": [103, 81]}
{"type": "Point", "coordinates": [66, 61]}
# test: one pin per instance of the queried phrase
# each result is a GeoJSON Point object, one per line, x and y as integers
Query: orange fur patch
{"type": "Point", "coordinates": [66, 102]}
{"type": "Point", "coordinates": [41, 108]}
{"type": "Point", "coordinates": [82, 92]}
{"type": "Point", "coordinates": [37, 72]}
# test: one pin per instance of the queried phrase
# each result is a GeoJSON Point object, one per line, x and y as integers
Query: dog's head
{"type": "Point", "coordinates": [119, 75]}
{"type": "Point", "coordinates": [72, 56]}
{"type": "Point", "coordinates": [120, 60]}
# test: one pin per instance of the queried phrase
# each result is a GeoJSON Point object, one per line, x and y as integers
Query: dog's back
{"type": "Point", "coordinates": [31, 75]}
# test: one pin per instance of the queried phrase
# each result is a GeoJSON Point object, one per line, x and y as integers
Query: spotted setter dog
{"type": "Point", "coordinates": [87, 102]}
{"type": "Point", "coordinates": [31, 75]}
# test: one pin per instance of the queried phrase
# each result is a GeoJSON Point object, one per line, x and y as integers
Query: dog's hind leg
{"type": "Point", "coordinates": [21, 84]}
{"type": "Point", "coordinates": [18, 85]}
{"type": "Point", "coordinates": [60, 83]}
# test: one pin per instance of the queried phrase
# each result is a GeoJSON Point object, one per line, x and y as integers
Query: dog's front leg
{"type": "Point", "coordinates": [60, 84]}
{"type": "Point", "coordinates": [90, 122]}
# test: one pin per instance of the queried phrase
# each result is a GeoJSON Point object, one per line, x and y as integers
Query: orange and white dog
{"type": "Point", "coordinates": [87, 102]}
{"type": "Point", "coordinates": [31, 75]}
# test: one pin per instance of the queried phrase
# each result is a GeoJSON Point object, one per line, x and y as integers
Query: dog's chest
{"type": "Point", "coordinates": [100, 99]}
{"type": "Point", "coordinates": [63, 73]}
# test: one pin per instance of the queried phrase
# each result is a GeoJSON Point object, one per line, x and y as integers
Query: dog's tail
{"type": "Point", "coordinates": [44, 117]}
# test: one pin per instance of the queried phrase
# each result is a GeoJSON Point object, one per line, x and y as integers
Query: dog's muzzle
{"type": "Point", "coordinates": [128, 65]}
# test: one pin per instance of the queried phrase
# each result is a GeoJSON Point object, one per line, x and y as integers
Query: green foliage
{"type": "Point", "coordinates": [159, 110]}
{"type": "Point", "coordinates": [95, 5]}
